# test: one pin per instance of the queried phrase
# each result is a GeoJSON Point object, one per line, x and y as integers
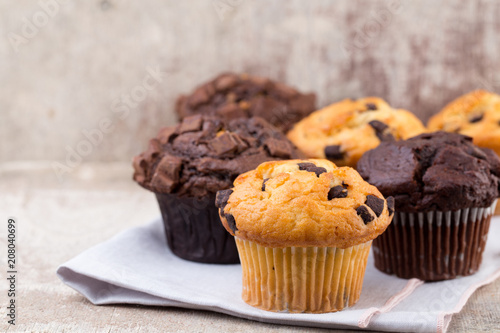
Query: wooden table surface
{"type": "Point", "coordinates": [57, 221]}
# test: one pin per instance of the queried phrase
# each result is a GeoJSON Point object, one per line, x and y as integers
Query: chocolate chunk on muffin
{"type": "Point", "coordinates": [187, 164]}
{"type": "Point", "coordinates": [231, 96]}
{"type": "Point", "coordinates": [445, 190]}
{"type": "Point", "coordinates": [343, 131]}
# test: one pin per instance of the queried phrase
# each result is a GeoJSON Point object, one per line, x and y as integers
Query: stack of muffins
{"type": "Point", "coordinates": [252, 174]}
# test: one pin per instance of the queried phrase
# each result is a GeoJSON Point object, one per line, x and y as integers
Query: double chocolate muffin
{"type": "Point", "coordinates": [231, 96]}
{"type": "Point", "coordinates": [187, 164]}
{"type": "Point", "coordinates": [445, 190]}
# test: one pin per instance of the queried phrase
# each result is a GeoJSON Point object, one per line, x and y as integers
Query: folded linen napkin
{"type": "Point", "coordinates": [136, 267]}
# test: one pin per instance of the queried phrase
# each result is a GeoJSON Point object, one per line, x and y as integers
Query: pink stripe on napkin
{"type": "Point", "coordinates": [444, 318]}
{"type": "Point", "coordinates": [412, 284]}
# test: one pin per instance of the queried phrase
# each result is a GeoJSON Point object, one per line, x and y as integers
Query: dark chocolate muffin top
{"type": "Point", "coordinates": [433, 171]}
{"type": "Point", "coordinates": [204, 154]}
{"type": "Point", "coordinates": [231, 96]}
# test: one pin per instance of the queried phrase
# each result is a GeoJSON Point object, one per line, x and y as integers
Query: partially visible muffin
{"type": "Point", "coordinates": [231, 96]}
{"type": "Point", "coordinates": [342, 132]}
{"type": "Point", "coordinates": [187, 164]}
{"type": "Point", "coordinates": [476, 114]}
{"type": "Point", "coordinates": [304, 230]}
{"type": "Point", "coordinates": [445, 190]}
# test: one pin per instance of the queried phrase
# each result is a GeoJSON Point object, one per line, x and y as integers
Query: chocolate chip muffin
{"type": "Point", "coordinates": [231, 96]}
{"type": "Point", "coordinates": [187, 164]}
{"type": "Point", "coordinates": [303, 230]}
{"type": "Point", "coordinates": [476, 114]}
{"type": "Point", "coordinates": [445, 189]}
{"type": "Point", "coordinates": [342, 132]}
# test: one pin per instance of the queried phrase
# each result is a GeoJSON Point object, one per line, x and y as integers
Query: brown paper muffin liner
{"type": "Point", "coordinates": [434, 246]}
{"type": "Point", "coordinates": [194, 231]}
{"type": "Point", "coordinates": [302, 279]}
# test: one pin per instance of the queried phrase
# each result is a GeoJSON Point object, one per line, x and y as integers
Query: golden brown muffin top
{"type": "Point", "coordinates": [476, 114]}
{"type": "Point", "coordinates": [342, 132]}
{"type": "Point", "coordinates": [304, 203]}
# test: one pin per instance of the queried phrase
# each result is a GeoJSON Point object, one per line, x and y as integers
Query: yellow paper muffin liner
{"type": "Point", "coordinates": [302, 279]}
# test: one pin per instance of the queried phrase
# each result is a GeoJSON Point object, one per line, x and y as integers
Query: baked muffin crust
{"type": "Point", "coordinates": [476, 114]}
{"type": "Point", "coordinates": [304, 203]}
{"type": "Point", "coordinates": [342, 132]}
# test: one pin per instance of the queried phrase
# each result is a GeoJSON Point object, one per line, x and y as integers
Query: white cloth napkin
{"type": "Point", "coordinates": [136, 267]}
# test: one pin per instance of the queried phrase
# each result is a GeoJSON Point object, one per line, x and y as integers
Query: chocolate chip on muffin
{"type": "Point", "coordinates": [311, 167]}
{"type": "Point", "coordinates": [334, 152]}
{"type": "Point", "coordinates": [476, 118]}
{"type": "Point", "coordinates": [376, 204]}
{"type": "Point", "coordinates": [365, 214]}
{"type": "Point", "coordinates": [337, 192]}
{"type": "Point", "coordinates": [221, 199]}
{"type": "Point", "coordinates": [227, 143]}
{"type": "Point", "coordinates": [264, 184]}
{"type": "Point", "coordinates": [231, 222]}
{"type": "Point", "coordinates": [278, 147]}
{"type": "Point", "coordinates": [382, 131]}
{"type": "Point", "coordinates": [191, 124]}
{"type": "Point", "coordinates": [166, 135]}
{"type": "Point", "coordinates": [390, 205]}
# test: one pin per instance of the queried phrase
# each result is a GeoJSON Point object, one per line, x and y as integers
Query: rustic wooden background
{"type": "Point", "coordinates": [64, 66]}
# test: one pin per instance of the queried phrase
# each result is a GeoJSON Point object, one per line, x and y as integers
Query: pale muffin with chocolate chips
{"type": "Point", "coordinates": [342, 132]}
{"type": "Point", "coordinates": [476, 114]}
{"type": "Point", "coordinates": [303, 229]}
